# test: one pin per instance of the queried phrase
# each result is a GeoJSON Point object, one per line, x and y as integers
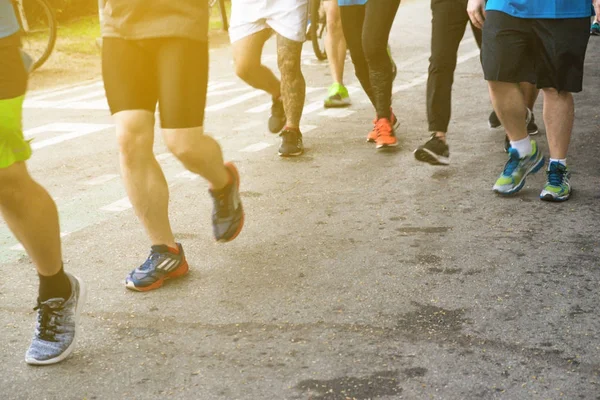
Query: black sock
{"type": "Point", "coordinates": [55, 286]}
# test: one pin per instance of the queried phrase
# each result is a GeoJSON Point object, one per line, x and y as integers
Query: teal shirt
{"type": "Point", "coordinates": [552, 9]}
{"type": "Point", "coordinates": [8, 21]}
{"type": "Point", "coordinates": [352, 2]}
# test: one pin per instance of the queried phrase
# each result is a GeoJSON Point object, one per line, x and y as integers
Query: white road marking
{"type": "Point", "coordinates": [228, 91]}
{"type": "Point", "coordinates": [337, 112]}
{"type": "Point", "coordinates": [164, 156]}
{"type": "Point", "coordinates": [118, 206]}
{"type": "Point", "coordinates": [74, 130]}
{"type": "Point", "coordinates": [219, 85]}
{"type": "Point", "coordinates": [187, 175]}
{"type": "Point", "coordinates": [53, 92]}
{"type": "Point", "coordinates": [248, 125]}
{"type": "Point", "coordinates": [235, 100]}
{"type": "Point", "coordinates": [312, 107]}
{"type": "Point", "coordinates": [256, 147]}
{"type": "Point", "coordinates": [19, 247]}
{"type": "Point", "coordinates": [100, 180]}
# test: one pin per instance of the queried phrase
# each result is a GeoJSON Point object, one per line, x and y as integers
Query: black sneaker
{"type": "Point", "coordinates": [494, 121]}
{"type": "Point", "coordinates": [277, 118]}
{"type": "Point", "coordinates": [435, 152]}
{"type": "Point", "coordinates": [291, 143]}
{"type": "Point", "coordinates": [228, 213]}
{"type": "Point", "coordinates": [532, 128]}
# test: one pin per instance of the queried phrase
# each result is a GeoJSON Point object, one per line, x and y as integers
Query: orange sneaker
{"type": "Point", "coordinates": [372, 136]}
{"type": "Point", "coordinates": [385, 137]}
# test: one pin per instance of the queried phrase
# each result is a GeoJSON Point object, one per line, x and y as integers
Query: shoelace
{"type": "Point", "coordinates": [47, 320]}
{"type": "Point", "coordinates": [556, 175]}
{"type": "Point", "coordinates": [150, 261]}
{"type": "Point", "coordinates": [383, 127]}
{"type": "Point", "coordinates": [512, 163]}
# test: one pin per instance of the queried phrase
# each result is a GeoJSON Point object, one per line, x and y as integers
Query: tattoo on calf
{"type": "Point", "coordinates": [293, 86]}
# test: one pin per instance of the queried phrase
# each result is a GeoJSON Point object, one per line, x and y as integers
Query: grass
{"type": "Point", "coordinates": [79, 36]}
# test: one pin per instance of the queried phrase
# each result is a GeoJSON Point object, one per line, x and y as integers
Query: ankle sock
{"type": "Point", "coordinates": [522, 146]}
{"type": "Point", "coordinates": [562, 161]}
{"type": "Point", "coordinates": [55, 286]}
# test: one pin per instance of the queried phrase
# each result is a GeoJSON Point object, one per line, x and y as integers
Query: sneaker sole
{"type": "Point", "coordinates": [385, 146]}
{"type": "Point", "coordinates": [548, 197]}
{"type": "Point", "coordinates": [533, 170]}
{"type": "Point", "coordinates": [494, 127]}
{"type": "Point", "coordinates": [291, 154]}
{"type": "Point", "coordinates": [533, 133]}
{"type": "Point", "coordinates": [182, 270]}
{"type": "Point", "coordinates": [337, 104]}
{"type": "Point", "coordinates": [235, 172]}
{"type": "Point", "coordinates": [80, 303]}
{"type": "Point", "coordinates": [428, 156]}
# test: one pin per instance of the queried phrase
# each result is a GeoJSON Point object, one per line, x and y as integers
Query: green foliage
{"type": "Point", "coordinates": [69, 9]}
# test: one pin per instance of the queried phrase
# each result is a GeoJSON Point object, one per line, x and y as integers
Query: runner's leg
{"type": "Point", "coordinates": [379, 17]}
{"type": "Point", "coordinates": [247, 54]}
{"type": "Point", "coordinates": [31, 215]}
{"type": "Point", "coordinates": [353, 18]}
{"type": "Point", "coordinates": [293, 86]}
{"type": "Point", "coordinates": [335, 44]}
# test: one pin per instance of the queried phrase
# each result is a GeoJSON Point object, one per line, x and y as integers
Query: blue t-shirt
{"type": "Point", "coordinates": [554, 9]}
{"type": "Point", "coordinates": [8, 21]}
{"type": "Point", "coordinates": [351, 2]}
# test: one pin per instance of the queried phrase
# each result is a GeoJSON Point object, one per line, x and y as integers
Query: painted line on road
{"type": "Point", "coordinates": [19, 247]}
{"type": "Point", "coordinates": [228, 91]}
{"type": "Point", "coordinates": [256, 147]}
{"type": "Point", "coordinates": [248, 125]}
{"type": "Point", "coordinates": [74, 130]}
{"type": "Point", "coordinates": [58, 92]}
{"type": "Point", "coordinates": [164, 156]}
{"type": "Point", "coordinates": [187, 175]}
{"type": "Point", "coordinates": [337, 112]}
{"type": "Point", "coordinates": [118, 206]}
{"type": "Point", "coordinates": [100, 180]}
{"type": "Point", "coordinates": [235, 100]}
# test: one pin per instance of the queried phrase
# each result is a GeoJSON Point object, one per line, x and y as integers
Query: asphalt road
{"type": "Point", "coordinates": [359, 275]}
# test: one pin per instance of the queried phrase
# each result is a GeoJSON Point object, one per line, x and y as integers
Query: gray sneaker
{"type": "Point", "coordinates": [56, 326]}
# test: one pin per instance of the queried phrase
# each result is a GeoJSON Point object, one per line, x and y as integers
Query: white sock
{"type": "Point", "coordinates": [562, 161]}
{"type": "Point", "coordinates": [522, 146]}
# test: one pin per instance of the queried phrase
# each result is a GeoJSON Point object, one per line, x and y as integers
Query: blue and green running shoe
{"type": "Point", "coordinates": [337, 96]}
{"type": "Point", "coordinates": [516, 170]}
{"type": "Point", "coordinates": [557, 186]}
{"type": "Point", "coordinates": [595, 29]}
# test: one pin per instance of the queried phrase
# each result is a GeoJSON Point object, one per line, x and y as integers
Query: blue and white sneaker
{"type": "Point", "coordinates": [228, 213]}
{"type": "Point", "coordinates": [56, 327]}
{"type": "Point", "coordinates": [516, 170]}
{"type": "Point", "coordinates": [558, 187]}
{"type": "Point", "coordinates": [162, 264]}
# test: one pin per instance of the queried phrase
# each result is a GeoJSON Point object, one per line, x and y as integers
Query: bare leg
{"type": "Point", "coordinates": [247, 53]}
{"type": "Point", "coordinates": [143, 178]}
{"type": "Point", "coordinates": [509, 103]}
{"type": "Point", "coordinates": [293, 86]}
{"type": "Point", "coordinates": [530, 92]}
{"type": "Point", "coordinates": [335, 43]}
{"type": "Point", "coordinates": [559, 113]}
{"type": "Point", "coordinates": [31, 215]}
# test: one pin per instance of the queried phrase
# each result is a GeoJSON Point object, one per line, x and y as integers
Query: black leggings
{"type": "Point", "coordinates": [449, 21]}
{"type": "Point", "coordinates": [367, 30]}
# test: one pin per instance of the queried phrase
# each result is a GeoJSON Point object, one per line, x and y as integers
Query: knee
{"type": "Point", "coordinates": [135, 138]}
{"type": "Point", "coordinates": [375, 53]}
{"type": "Point", "coordinates": [12, 179]}
{"type": "Point", "coordinates": [187, 145]}
{"type": "Point", "coordinates": [244, 68]}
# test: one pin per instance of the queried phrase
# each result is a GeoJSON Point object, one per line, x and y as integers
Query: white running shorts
{"type": "Point", "coordinates": [286, 17]}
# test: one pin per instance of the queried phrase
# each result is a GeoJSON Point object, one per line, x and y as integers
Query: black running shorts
{"type": "Point", "coordinates": [171, 71]}
{"type": "Point", "coordinates": [547, 52]}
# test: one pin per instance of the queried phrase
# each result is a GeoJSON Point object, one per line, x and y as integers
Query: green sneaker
{"type": "Point", "coordinates": [557, 186]}
{"type": "Point", "coordinates": [516, 170]}
{"type": "Point", "coordinates": [337, 96]}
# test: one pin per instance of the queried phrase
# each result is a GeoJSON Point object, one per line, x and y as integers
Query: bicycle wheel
{"type": "Point", "coordinates": [318, 29]}
{"type": "Point", "coordinates": [38, 30]}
